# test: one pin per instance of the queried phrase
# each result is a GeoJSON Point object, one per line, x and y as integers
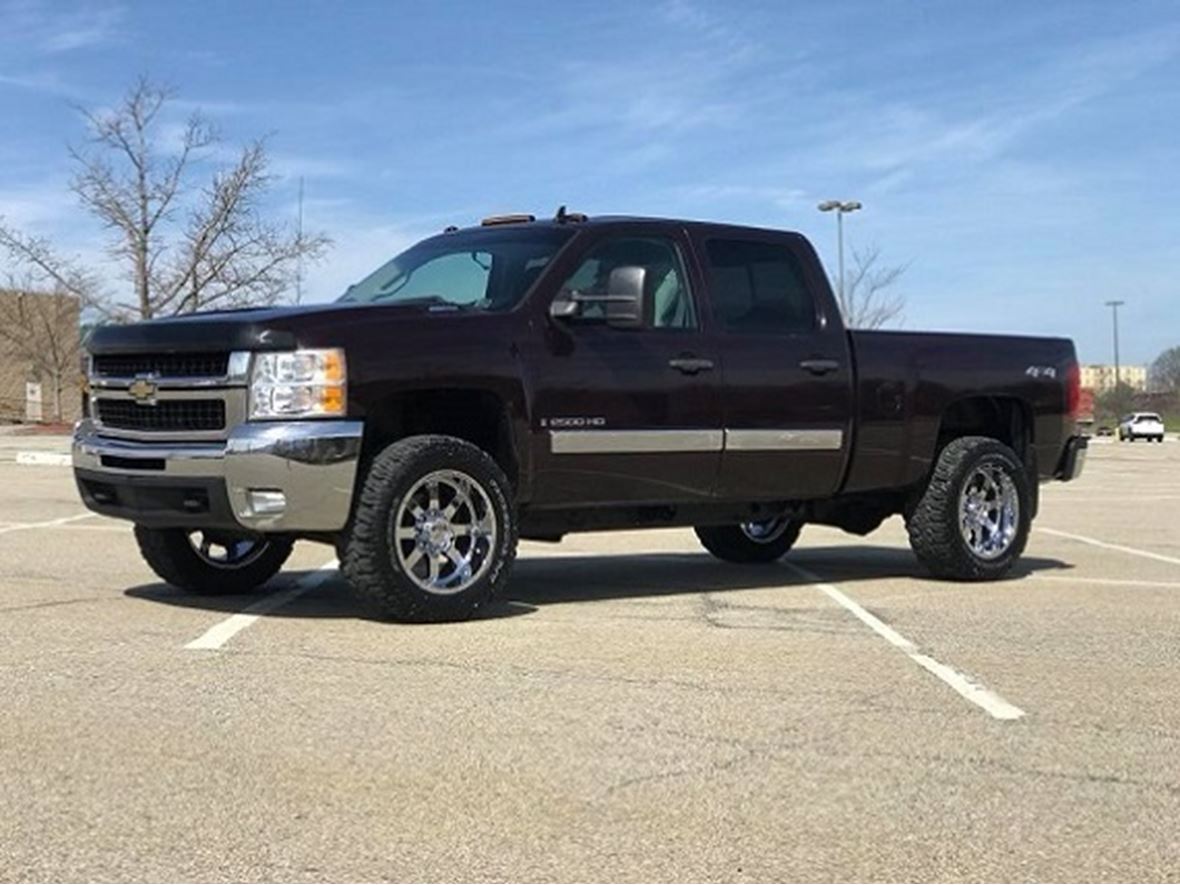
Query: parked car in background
{"type": "Point", "coordinates": [1105, 430]}
{"type": "Point", "coordinates": [1142, 425]}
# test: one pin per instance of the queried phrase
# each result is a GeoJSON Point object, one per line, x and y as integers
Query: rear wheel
{"type": "Point", "coordinates": [210, 561]}
{"type": "Point", "coordinates": [434, 535]}
{"type": "Point", "coordinates": [764, 541]}
{"type": "Point", "coordinates": [972, 521]}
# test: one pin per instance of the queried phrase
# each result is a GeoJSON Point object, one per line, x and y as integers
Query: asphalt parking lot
{"type": "Point", "coordinates": [635, 710]}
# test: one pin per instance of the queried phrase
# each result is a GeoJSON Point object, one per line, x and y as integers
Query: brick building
{"type": "Point", "coordinates": [40, 357]}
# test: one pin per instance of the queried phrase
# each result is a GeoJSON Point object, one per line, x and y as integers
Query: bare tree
{"type": "Point", "coordinates": [40, 331]}
{"type": "Point", "coordinates": [46, 269]}
{"type": "Point", "coordinates": [868, 299]}
{"type": "Point", "coordinates": [186, 247]}
{"type": "Point", "coordinates": [1165, 370]}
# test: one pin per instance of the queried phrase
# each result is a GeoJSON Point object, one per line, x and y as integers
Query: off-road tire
{"type": "Point", "coordinates": [369, 559]}
{"type": "Point", "coordinates": [933, 524]}
{"type": "Point", "coordinates": [731, 544]}
{"type": "Point", "coordinates": [170, 555]}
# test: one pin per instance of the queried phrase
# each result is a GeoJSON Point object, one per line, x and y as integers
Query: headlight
{"type": "Point", "coordinates": [298, 384]}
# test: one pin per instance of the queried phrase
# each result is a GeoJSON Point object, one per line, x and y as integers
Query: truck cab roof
{"type": "Point", "coordinates": [518, 220]}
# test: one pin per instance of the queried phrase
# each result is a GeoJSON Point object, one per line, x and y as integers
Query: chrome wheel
{"type": "Point", "coordinates": [225, 551]}
{"type": "Point", "coordinates": [989, 511]}
{"type": "Point", "coordinates": [444, 532]}
{"type": "Point", "coordinates": [765, 531]}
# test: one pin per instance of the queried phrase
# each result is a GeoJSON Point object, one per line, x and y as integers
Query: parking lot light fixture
{"type": "Point", "coordinates": [840, 207]}
{"type": "Point", "coordinates": [1114, 311]}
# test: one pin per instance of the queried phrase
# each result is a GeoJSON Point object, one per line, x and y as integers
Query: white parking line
{"type": "Point", "coordinates": [990, 702]}
{"type": "Point", "coordinates": [25, 526]}
{"type": "Point", "coordinates": [1094, 542]}
{"type": "Point", "coordinates": [1107, 582]}
{"type": "Point", "coordinates": [221, 633]}
{"type": "Point", "coordinates": [44, 459]}
{"type": "Point", "coordinates": [121, 529]}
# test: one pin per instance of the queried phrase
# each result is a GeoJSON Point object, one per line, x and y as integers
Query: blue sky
{"type": "Point", "coordinates": [1022, 158]}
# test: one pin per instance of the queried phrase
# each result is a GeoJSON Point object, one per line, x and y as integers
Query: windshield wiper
{"type": "Point", "coordinates": [424, 300]}
{"type": "Point", "coordinates": [429, 301]}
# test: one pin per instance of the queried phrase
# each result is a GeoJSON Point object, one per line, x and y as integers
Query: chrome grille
{"type": "Point", "coordinates": [174, 365]}
{"type": "Point", "coordinates": [173, 415]}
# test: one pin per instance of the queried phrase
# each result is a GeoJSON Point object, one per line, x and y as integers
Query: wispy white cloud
{"type": "Point", "coordinates": [894, 139]}
{"type": "Point", "coordinates": [52, 28]}
{"type": "Point", "coordinates": [719, 31]}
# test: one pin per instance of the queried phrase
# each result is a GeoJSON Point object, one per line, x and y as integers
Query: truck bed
{"type": "Point", "coordinates": [905, 381]}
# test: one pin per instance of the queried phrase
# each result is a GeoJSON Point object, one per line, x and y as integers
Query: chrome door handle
{"type": "Point", "coordinates": [819, 366]}
{"type": "Point", "coordinates": [690, 365]}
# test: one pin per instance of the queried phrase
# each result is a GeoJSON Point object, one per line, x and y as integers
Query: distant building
{"type": "Point", "coordinates": [40, 357]}
{"type": "Point", "coordinates": [1100, 377]}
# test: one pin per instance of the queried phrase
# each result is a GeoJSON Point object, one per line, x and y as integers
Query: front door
{"type": "Point", "coordinates": [627, 416]}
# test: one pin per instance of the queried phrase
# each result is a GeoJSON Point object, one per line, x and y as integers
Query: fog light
{"type": "Point", "coordinates": [266, 501]}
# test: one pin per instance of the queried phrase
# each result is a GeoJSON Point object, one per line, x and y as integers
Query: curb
{"type": "Point", "coordinates": [43, 459]}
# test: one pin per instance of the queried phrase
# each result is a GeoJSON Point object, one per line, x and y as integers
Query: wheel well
{"type": "Point", "coordinates": [1002, 418]}
{"type": "Point", "coordinates": [1005, 419]}
{"type": "Point", "coordinates": [477, 416]}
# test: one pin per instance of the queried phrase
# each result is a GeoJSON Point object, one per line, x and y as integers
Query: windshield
{"type": "Point", "coordinates": [476, 270]}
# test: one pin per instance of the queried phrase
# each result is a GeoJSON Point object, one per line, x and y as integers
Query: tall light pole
{"type": "Point", "coordinates": [840, 207]}
{"type": "Point", "coordinates": [1114, 312]}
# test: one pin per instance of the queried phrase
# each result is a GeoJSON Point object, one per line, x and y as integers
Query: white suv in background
{"type": "Point", "coordinates": [1142, 425]}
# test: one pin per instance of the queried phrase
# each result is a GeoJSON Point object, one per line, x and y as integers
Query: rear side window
{"type": "Point", "coordinates": [758, 287]}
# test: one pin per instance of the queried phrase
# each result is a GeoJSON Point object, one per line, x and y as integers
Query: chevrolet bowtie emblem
{"type": "Point", "coordinates": [143, 391]}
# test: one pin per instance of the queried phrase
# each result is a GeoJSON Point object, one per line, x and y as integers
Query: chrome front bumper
{"type": "Point", "coordinates": [285, 476]}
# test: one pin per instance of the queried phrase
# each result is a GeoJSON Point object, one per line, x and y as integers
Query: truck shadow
{"type": "Point", "coordinates": [544, 580]}
{"type": "Point", "coordinates": [538, 581]}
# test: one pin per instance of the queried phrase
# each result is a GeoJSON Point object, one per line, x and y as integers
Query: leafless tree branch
{"type": "Point", "coordinates": [186, 247]}
{"type": "Point", "coordinates": [868, 300]}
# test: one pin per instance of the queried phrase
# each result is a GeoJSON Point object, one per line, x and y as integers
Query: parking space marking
{"type": "Point", "coordinates": [1111, 582]}
{"type": "Point", "coordinates": [122, 529]}
{"type": "Point", "coordinates": [987, 700]}
{"type": "Point", "coordinates": [25, 526]}
{"type": "Point", "coordinates": [1094, 542]}
{"type": "Point", "coordinates": [221, 633]}
{"type": "Point", "coordinates": [44, 459]}
{"type": "Point", "coordinates": [1064, 498]}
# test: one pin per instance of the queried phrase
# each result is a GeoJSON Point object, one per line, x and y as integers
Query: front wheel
{"type": "Point", "coordinates": [212, 562]}
{"type": "Point", "coordinates": [972, 521]}
{"type": "Point", "coordinates": [433, 537]}
{"type": "Point", "coordinates": [764, 541]}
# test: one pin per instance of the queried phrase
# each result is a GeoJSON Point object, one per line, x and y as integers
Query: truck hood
{"type": "Point", "coordinates": [257, 328]}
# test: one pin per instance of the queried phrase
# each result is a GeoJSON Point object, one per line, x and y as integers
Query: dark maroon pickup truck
{"type": "Point", "coordinates": [531, 378]}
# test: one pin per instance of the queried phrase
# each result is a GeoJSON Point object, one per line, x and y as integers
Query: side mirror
{"type": "Point", "coordinates": [624, 304]}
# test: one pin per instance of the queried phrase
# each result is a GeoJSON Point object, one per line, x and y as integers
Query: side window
{"type": "Point", "coordinates": [667, 286]}
{"type": "Point", "coordinates": [758, 287]}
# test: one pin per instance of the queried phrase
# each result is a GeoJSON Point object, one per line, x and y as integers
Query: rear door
{"type": "Point", "coordinates": [787, 373]}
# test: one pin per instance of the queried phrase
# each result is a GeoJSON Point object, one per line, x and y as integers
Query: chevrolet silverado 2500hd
{"type": "Point", "coordinates": [529, 379]}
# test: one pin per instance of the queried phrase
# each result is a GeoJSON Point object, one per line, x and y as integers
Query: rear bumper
{"type": "Point", "coordinates": [1073, 459]}
{"type": "Point", "coordinates": [267, 477]}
